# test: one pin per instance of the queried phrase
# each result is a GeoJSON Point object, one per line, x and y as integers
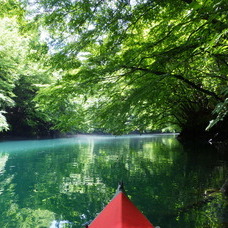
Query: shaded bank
{"type": "Point", "coordinates": [196, 130]}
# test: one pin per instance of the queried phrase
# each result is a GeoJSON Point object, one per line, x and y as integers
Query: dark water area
{"type": "Point", "coordinates": [66, 182]}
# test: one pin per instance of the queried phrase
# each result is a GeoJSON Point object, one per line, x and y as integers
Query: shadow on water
{"type": "Point", "coordinates": [66, 182]}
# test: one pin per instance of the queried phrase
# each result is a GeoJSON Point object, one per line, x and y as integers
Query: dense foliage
{"type": "Point", "coordinates": [22, 71]}
{"type": "Point", "coordinates": [137, 64]}
{"type": "Point", "coordinates": [121, 66]}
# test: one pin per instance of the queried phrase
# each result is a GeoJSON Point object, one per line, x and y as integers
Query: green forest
{"type": "Point", "coordinates": [70, 66]}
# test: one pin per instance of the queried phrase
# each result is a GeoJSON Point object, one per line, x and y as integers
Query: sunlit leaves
{"type": "Point", "coordinates": [64, 108]}
{"type": "Point", "coordinates": [148, 63]}
{"type": "Point", "coordinates": [11, 8]}
{"type": "Point", "coordinates": [3, 122]}
{"type": "Point", "coordinates": [22, 67]}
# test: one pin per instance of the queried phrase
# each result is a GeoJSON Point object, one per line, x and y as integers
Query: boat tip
{"type": "Point", "coordinates": [120, 187]}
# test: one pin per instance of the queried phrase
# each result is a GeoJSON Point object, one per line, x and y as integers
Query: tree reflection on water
{"type": "Point", "coordinates": [66, 182]}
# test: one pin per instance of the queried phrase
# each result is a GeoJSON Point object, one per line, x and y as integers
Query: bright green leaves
{"type": "Point", "coordinates": [8, 61]}
{"type": "Point", "coordinates": [147, 65]}
{"type": "Point", "coordinates": [63, 107]}
{"type": "Point", "coordinates": [11, 8]}
{"type": "Point", "coordinates": [220, 111]}
{"type": "Point", "coordinates": [195, 5]}
{"type": "Point", "coordinates": [3, 123]}
{"type": "Point", "coordinates": [22, 68]}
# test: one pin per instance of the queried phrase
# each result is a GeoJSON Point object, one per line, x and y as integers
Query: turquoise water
{"type": "Point", "coordinates": [66, 182]}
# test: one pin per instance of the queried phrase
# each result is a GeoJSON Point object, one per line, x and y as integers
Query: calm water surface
{"type": "Point", "coordinates": [66, 182]}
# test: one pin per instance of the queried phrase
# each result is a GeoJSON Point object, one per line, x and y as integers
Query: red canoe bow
{"type": "Point", "coordinates": [120, 213]}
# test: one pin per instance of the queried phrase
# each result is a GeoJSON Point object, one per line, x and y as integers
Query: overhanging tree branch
{"type": "Point", "coordinates": [179, 77]}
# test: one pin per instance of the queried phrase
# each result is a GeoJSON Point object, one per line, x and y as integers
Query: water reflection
{"type": "Point", "coordinates": [66, 182]}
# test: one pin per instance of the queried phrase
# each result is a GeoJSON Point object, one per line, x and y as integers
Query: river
{"type": "Point", "coordinates": [66, 182]}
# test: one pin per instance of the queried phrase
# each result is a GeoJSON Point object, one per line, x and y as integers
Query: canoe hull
{"type": "Point", "coordinates": [120, 213]}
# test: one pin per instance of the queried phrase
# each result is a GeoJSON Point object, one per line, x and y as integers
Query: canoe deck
{"type": "Point", "coordinates": [120, 213]}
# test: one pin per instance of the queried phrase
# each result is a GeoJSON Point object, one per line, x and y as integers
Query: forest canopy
{"type": "Point", "coordinates": [121, 66]}
{"type": "Point", "coordinates": [22, 71]}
